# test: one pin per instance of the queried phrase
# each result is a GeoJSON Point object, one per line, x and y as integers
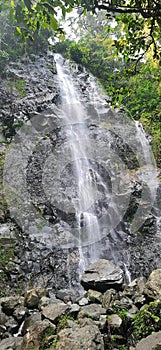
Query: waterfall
{"type": "Point", "coordinates": [81, 181]}
{"type": "Point", "coordinates": [102, 180]}
{"type": "Point", "coordinates": [74, 117]}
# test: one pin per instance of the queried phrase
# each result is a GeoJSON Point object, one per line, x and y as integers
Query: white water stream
{"type": "Point", "coordinates": [78, 143]}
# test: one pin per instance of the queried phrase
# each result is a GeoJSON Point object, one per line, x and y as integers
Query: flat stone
{"type": "Point", "coordinates": [80, 339]}
{"type": "Point", "coordinates": [54, 311]}
{"type": "Point", "coordinates": [150, 343]}
{"type": "Point", "coordinates": [93, 311]}
{"type": "Point", "coordinates": [102, 275]}
{"type": "Point", "coordinates": [67, 295]}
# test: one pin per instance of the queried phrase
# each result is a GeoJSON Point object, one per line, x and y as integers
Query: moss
{"type": "Point", "coordinates": [88, 315]}
{"type": "Point", "coordinates": [48, 338]}
{"type": "Point", "coordinates": [147, 320]}
{"type": "Point", "coordinates": [63, 322]}
{"type": "Point", "coordinates": [18, 84]}
{"type": "Point", "coordinates": [122, 313]}
{"type": "Point", "coordinates": [52, 346]}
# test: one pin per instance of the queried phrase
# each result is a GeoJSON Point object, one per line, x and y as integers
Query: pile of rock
{"type": "Point", "coordinates": [102, 318]}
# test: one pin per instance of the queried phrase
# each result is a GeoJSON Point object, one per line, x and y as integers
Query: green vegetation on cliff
{"type": "Point", "coordinates": [136, 88]}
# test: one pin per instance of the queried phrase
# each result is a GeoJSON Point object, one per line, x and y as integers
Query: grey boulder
{"type": "Point", "coordinates": [102, 275]}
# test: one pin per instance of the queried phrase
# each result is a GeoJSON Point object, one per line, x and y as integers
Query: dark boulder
{"type": "Point", "coordinates": [102, 275]}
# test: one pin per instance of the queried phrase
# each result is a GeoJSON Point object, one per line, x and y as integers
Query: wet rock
{"type": "Point", "coordinates": [102, 324]}
{"type": "Point", "coordinates": [11, 325]}
{"type": "Point", "coordinates": [83, 301]}
{"type": "Point", "coordinates": [20, 313]}
{"type": "Point", "coordinates": [152, 342]}
{"type": "Point", "coordinates": [122, 303]}
{"type": "Point", "coordinates": [67, 295]}
{"type": "Point", "coordinates": [74, 309]}
{"type": "Point", "coordinates": [149, 226]}
{"type": "Point", "coordinates": [30, 322]}
{"type": "Point", "coordinates": [34, 337]}
{"type": "Point", "coordinates": [102, 275]}
{"type": "Point", "coordinates": [54, 311]}
{"type": "Point", "coordinates": [136, 287]}
{"type": "Point", "coordinates": [3, 317]}
{"type": "Point", "coordinates": [11, 343]}
{"type": "Point", "coordinates": [94, 296]}
{"type": "Point", "coordinates": [132, 311]}
{"type": "Point", "coordinates": [80, 339]}
{"type": "Point", "coordinates": [33, 297]}
{"type": "Point", "coordinates": [108, 297]}
{"type": "Point", "coordinates": [44, 301]}
{"type": "Point", "coordinates": [114, 321]}
{"type": "Point", "coordinates": [10, 303]}
{"type": "Point", "coordinates": [153, 286]}
{"type": "Point", "coordinates": [93, 311]}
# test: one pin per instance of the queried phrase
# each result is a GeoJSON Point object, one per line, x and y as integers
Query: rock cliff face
{"type": "Point", "coordinates": [36, 229]}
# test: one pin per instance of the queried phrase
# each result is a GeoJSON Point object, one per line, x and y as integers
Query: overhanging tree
{"type": "Point", "coordinates": [141, 20]}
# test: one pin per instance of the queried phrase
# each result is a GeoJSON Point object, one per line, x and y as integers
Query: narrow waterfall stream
{"type": "Point", "coordinates": [79, 146]}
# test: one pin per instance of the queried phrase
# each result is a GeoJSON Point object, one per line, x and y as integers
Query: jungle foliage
{"type": "Point", "coordinates": [141, 20]}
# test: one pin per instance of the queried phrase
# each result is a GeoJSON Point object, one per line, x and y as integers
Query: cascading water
{"type": "Point", "coordinates": [76, 133]}
{"type": "Point", "coordinates": [92, 194]}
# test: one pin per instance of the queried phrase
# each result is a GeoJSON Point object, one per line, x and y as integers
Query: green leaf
{"type": "Point", "coordinates": [53, 23]}
{"type": "Point", "coordinates": [19, 30]}
{"type": "Point", "coordinates": [63, 11]}
{"type": "Point", "coordinates": [12, 4]}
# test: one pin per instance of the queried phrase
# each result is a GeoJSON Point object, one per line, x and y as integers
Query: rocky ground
{"type": "Point", "coordinates": [110, 315]}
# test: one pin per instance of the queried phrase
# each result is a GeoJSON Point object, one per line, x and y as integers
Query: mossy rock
{"type": "Point", "coordinates": [147, 320]}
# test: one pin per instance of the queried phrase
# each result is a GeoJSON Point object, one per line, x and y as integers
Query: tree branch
{"type": "Point", "coordinates": [147, 12]}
